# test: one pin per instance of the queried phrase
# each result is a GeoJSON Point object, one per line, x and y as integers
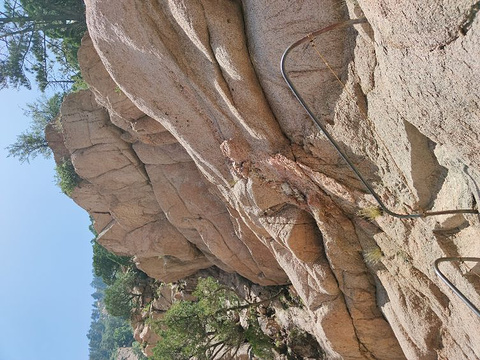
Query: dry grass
{"type": "Point", "coordinates": [373, 255]}
{"type": "Point", "coordinates": [370, 213]}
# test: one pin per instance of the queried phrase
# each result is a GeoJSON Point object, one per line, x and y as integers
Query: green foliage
{"type": "Point", "coordinates": [137, 350]}
{"type": "Point", "coordinates": [118, 333]}
{"type": "Point", "coordinates": [208, 327]}
{"type": "Point", "coordinates": [114, 303]}
{"type": "Point", "coordinates": [261, 344]}
{"type": "Point", "coordinates": [44, 111]}
{"type": "Point", "coordinates": [32, 142]}
{"type": "Point", "coordinates": [66, 177]}
{"type": "Point", "coordinates": [107, 265]}
{"type": "Point", "coordinates": [107, 333]}
{"type": "Point", "coordinates": [29, 145]}
{"type": "Point", "coordinates": [91, 227]}
{"type": "Point", "coordinates": [118, 90]}
{"type": "Point", "coordinates": [119, 296]}
{"type": "Point", "coordinates": [78, 83]}
{"type": "Point", "coordinates": [40, 37]}
{"type": "Point", "coordinates": [114, 280]}
{"type": "Point", "coordinates": [184, 331]}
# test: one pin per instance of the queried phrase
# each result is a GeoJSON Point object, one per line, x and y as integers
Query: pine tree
{"type": "Point", "coordinates": [32, 142]}
{"type": "Point", "coordinates": [40, 37]}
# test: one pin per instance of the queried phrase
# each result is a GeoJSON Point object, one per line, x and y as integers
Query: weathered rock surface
{"type": "Point", "coordinates": [126, 353]}
{"type": "Point", "coordinates": [194, 153]}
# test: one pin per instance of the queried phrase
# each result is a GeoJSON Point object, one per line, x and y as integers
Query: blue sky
{"type": "Point", "coordinates": [45, 249]}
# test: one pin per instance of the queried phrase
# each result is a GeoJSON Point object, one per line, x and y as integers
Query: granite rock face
{"type": "Point", "coordinates": [193, 153]}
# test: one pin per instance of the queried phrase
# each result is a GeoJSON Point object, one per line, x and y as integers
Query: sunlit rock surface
{"type": "Point", "coordinates": [194, 153]}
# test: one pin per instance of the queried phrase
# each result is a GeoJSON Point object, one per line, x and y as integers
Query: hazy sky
{"type": "Point", "coordinates": [46, 270]}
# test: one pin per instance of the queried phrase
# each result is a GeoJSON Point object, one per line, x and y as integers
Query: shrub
{"type": "Point", "coordinates": [66, 177]}
{"type": "Point", "coordinates": [137, 350]}
{"type": "Point", "coordinates": [209, 327]}
{"type": "Point", "coordinates": [107, 265]}
{"type": "Point", "coordinates": [261, 344]}
{"type": "Point", "coordinates": [119, 297]}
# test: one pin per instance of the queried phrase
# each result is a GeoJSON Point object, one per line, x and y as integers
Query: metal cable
{"type": "Point", "coordinates": [450, 284]}
{"type": "Point", "coordinates": [309, 37]}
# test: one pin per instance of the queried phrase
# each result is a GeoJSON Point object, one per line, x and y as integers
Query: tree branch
{"type": "Point", "coordinates": [218, 350]}
{"type": "Point", "coordinates": [249, 305]}
{"type": "Point", "coordinates": [40, 18]}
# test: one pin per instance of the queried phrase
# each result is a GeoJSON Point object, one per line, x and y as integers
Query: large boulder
{"type": "Point", "coordinates": [194, 153]}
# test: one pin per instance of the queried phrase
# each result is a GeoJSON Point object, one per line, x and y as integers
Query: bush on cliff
{"type": "Point", "coordinates": [210, 327]}
{"type": "Point", "coordinates": [66, 177]}
{"type": "Point", "coordinates": [120, 296]}
{"type": "Point", "coordinates": [107, 265]}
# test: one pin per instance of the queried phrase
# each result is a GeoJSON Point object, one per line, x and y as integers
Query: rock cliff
{"type": "Point", "coordinates": [193, 153]}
